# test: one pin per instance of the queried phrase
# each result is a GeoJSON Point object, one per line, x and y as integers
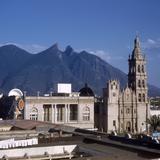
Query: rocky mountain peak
{"type": "Point", "coordinates": [69, 50]}
{"type": "Point", "coordinates": [42, 71]}
{"type": "Point", "coordinates": [54, 47]}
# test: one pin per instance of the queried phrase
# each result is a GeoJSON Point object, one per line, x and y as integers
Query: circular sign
{"type": "Point", "coordinates": [21, 104]}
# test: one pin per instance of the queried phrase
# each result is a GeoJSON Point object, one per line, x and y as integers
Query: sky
{"type": "Point", "coordinates": [106, 28]}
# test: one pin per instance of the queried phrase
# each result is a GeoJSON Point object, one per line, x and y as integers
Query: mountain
{"type": "Point", "coordinates": [42, 71]}
{"type": "Point", "coordinates": [12, 59]}
{"type": "Point", "coordinates": [153, 91]}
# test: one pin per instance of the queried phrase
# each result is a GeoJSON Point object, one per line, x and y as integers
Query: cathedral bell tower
{"type": "Point", "coordinates": [137, 76]}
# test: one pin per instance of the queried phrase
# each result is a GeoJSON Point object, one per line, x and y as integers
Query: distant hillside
{"type": "Point", "coordinates": [42, 71]}
{"type": "Point", "coordinates": [12, 59]}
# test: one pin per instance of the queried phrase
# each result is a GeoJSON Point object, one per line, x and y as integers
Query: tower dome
{"type": "Point", "coordinates": [86, 91]}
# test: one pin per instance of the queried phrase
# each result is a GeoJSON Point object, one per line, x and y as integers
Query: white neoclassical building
{"type": "Point", "coordinates": [64, 107]}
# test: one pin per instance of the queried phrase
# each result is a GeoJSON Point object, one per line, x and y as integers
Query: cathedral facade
{"type": "Point", "coordinates": [127, 110]}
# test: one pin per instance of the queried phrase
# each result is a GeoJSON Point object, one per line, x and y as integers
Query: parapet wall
{"type": "Point", "coordinates": [37, 151]}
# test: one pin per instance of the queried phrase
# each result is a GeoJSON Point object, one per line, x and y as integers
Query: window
{"type": "Point", "coordinates": [34, 114]}
{"type": "Point", "coordinates": [73, 112]}
{"type": "Point", "coordinates": [139, 70]}
{"type": "Point", "coordinates": [143, 68]}
{"type": "Point", "coordinates": [60, 112]}
{"type": "Point", "coordinates": [139, 97]}
{"type": "Point", "coordinates": [127, 110]}
{"type": "Point", "coordinates": [86, 114]}
{"type": "Point", "coordinates": [121, 111]}
{"type": "Point", "coordinates": [139, 83]}
{"type": "Point", "coordinates": [47, 112]}
{"type": "Point", "coordinates": [128, 126]}
{"type": "Point", "coordinates": [143, 84]}
{"type": "Point", "coordinates": [114, 123]}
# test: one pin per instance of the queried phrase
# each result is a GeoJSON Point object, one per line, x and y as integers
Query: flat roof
{"type": "Point", "coordinates": [26, 124]}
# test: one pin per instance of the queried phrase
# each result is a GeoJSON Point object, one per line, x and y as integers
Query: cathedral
{"type": "Point", "coordinates": [127, 110]}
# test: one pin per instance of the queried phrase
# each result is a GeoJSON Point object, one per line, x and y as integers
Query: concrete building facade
{"type": "Point", "coordinates": [127, 110]}
{"type": "Point", "coordinates": [73, 109]}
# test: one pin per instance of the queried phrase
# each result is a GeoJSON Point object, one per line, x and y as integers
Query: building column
{"type": "Point", "coordinates": [66, 114]}
{"type": "Point", "coordinates": [55, 113]}
{"type": "Point", "coordinates": [80, 113]}
{"type": "Point", "coordinates": [41, 113]}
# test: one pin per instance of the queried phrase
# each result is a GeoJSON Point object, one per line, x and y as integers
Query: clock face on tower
{"type": "Point", "coordinates": [114, 94]}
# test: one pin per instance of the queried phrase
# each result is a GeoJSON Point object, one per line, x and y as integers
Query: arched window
{"type": "Point", "coordinates": [143, 68]}
{"type": "Point", "coordinates": [139, 70]}
{"type": "Point", "coordinates": [128, 126]}
{"type": "Point", "coordinates": [139, 83]}
{"type": "Point", "coordinates": [34, 114]}
{"type": "Point", "coordinates": [139, 97]}
{"type": "Point", "coordinates": [143, 83]}
{"type": "Point", "coordinates": [127, 110]}
{"type": "Point", "coordinates": [86, 114]}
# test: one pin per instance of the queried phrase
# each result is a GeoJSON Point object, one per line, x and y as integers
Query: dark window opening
{"type": "Point", "coordinates": [73, 112]}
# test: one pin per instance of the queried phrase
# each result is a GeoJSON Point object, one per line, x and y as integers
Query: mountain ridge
{"type": "Point", "coordinates": [42, 71]}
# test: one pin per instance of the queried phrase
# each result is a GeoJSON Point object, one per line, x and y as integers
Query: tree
{"type": "Point", "coordinates": [154, 122]}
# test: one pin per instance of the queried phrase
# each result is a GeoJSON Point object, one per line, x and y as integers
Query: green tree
{"type": "Point", "coordinates": [154, 122]}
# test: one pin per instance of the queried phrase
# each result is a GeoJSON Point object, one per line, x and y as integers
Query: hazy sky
{"type": "Point", "coordinates": [103, 27]}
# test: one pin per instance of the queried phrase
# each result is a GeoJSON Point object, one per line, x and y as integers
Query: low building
{"type": "Point", "coordinates": [155, 110]}
{"type": "Point", "coordinates": [64, 107]}
{"type": "Point", "coordinates": [155, 106]}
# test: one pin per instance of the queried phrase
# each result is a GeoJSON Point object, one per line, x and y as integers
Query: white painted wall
{"type": "Point", "coordinates": [37, 151]}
